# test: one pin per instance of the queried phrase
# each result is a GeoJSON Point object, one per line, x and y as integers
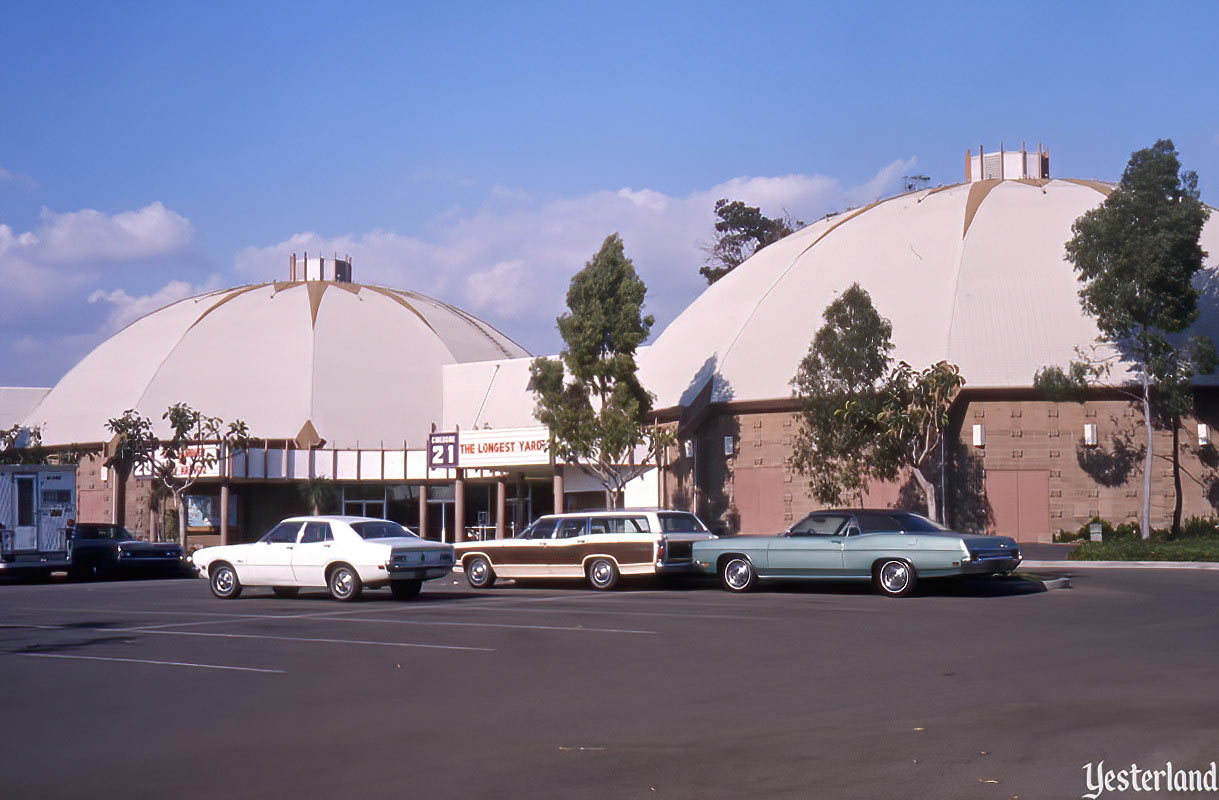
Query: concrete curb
{"type": "Point", "coordinates": [1208, 566]}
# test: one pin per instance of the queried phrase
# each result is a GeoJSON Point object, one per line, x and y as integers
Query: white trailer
{"type": "Point", "coordinates": [37, 507]}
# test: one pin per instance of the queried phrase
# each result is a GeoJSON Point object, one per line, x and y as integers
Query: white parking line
{"type": "Point", "coordinates": [309, 639]}
{"type": "Point", "coordinates": [313, 640]}
{"type": "Point", "coordinates": [150, 661]}
{"type": "Point", "coordinates": [585, 610]}
{"type": "Point", "coordinates": [192, 613]}
{"type": "Point", "coordinates": [579, 628]}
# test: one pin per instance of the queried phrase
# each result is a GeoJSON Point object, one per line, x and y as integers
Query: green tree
{"type": "Point", "coordinates": [21, 445]}
{"type": "Point", "coordinates": [1136, 256]}
{"type": "Point", "coordinates": [134, 445]}
{"type": "Point", "coordinates": [590, 397]}
{"type": "Point", "coordinates": [846, 362]}
{"type": "Point", "coordinates": [196, 444]}
{"type": "Point", "coordinates": [741, 231]}
{"type": "Point", "coordinates": [861, 418]}
{"type": "Point", "coordinates": [1174, 391]}
{"type": "Point", "coordinates": [912, 419]}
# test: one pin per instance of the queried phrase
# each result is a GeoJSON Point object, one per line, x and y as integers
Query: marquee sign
{"type": "Point", "coordinates": [194, 461]}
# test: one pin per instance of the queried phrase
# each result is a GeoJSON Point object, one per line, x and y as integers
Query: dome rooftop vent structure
{"type": "Point", "coordinates": [1015, 165]}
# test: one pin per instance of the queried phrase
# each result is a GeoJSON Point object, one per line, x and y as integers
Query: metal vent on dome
{"type": "Point", "coordinates": [1007, 164]}
{"type": "Point", "coordinates": [315, 269]}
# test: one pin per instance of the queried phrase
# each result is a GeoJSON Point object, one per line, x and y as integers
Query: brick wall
{"type": "Point", "coordinates": [1030, 445]}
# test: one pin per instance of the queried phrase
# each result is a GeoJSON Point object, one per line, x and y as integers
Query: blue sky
{"type": "Point", "coordinates": [481, 152]}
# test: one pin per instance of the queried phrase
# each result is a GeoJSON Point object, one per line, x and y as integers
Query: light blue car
{"type": "Point", "coordinates": [893, 549]}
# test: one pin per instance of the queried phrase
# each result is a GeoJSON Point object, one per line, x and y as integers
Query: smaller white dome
{"type": "Point", "coordinates": [362, 364]}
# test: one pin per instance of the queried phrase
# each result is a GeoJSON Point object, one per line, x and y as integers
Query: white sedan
{"type": "Point", "coordinates": [342, 554]}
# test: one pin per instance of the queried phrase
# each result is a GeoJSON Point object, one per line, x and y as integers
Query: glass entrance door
{"type": "Point", "coordinates": [440, 519]}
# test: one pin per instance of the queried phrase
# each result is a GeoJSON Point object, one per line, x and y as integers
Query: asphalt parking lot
{"type": "Point", "coordinates": [978, 690]}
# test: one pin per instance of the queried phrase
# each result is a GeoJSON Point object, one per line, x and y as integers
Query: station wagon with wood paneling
{"type": "Point", "coordinates": [599, 546]}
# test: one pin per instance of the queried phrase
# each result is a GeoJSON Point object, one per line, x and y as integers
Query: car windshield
{"type": "Point", "coordinates": [379, 529]}
{"type": "Point", "coordinates": [917, 524]}
{"type": "Point", "coordinates": [111, 532]}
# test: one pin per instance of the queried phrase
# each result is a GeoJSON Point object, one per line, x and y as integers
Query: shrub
{"type": "Point", "coordinates": [1194, 550]}
{"type": "Point", "coordinates": [1083, 534]}
{"type": "Point", "coordinates": [1200, 528]}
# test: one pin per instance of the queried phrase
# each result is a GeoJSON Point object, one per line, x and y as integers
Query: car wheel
{"type": "Point", "coordinates": [479, 573]}
{"type": "Point", "coordinates": [405, 590]}
{"type": "Point", "coordinates": [286, 591]}
{"type": "Point", "coordinates": [344, 583]}
{"type": "Point", "coordinates": [223, 580]}
{"type": "Point", "coordinates": [602, 574]}
{"type": "Point", "coordinates": [895, 578]}
{"type": "Point", "coordinates": [738, 575]}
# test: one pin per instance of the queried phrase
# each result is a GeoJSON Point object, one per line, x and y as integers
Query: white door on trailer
{"type": "Point", "coordinates": [25, 529]}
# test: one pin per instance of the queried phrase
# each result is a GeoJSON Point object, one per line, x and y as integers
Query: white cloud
{"type": "Point", "coordinates": [125, 309]}
{"type": "Point", "coordinates": [510, 260]}
{"type": "Point", "coordinates": [86, 235]}
{"type": "Point", "coordinates": [505, 285]}
{"type": "Point", "coordinates": [17, 177]}
{"type": "Point", "coordinates": [66, 252]}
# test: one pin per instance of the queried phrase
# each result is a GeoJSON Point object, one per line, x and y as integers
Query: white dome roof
{"type": "Point", "coordinates": [360, 363]}
{"type": "Point", "coordinates": [972, 273]}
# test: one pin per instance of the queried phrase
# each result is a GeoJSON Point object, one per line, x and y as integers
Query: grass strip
{"type": "Point", "coordinates": [1141, 550]}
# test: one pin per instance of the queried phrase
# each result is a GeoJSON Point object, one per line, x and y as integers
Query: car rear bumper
{"type": "Point", "coordinates": [417, 573]}
{"type": "Point", "coordinates": [990, 566]}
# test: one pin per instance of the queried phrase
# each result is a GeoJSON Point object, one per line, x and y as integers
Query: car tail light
{"type": "Point", "coordinates": [662, 549]}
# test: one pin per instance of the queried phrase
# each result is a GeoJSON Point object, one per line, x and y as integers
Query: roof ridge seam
{"type": "Point", "coordinates": [161, 364]}
{"type": "Point", "coordinates": [783, 274]}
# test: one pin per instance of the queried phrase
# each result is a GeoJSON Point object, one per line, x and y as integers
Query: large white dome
{"type": "Point", "coordinates": [361, 364]}
{"type": "Point", "coordinates": [973, 273]}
